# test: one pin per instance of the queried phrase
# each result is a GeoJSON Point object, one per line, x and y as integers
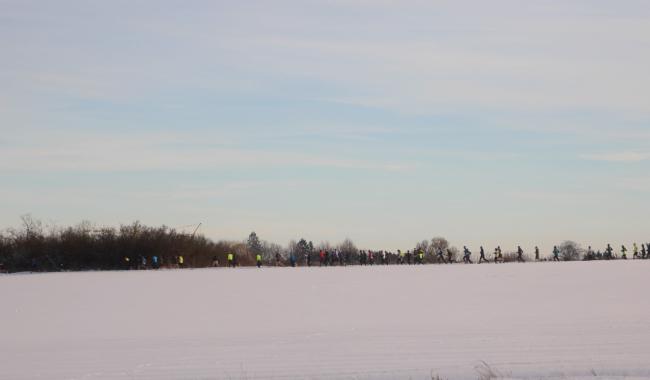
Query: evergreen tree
{"type": "Point", "coordinates": [254, 244]}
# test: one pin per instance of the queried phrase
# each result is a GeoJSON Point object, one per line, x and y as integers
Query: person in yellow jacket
{"type": "Point", "coordinates": [231, 260]}
{"type": "Point", "coordinates": [181, 261]}
{"type": "Point", "coordinates": [258, 258]}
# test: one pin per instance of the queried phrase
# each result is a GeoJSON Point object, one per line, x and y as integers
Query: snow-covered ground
{"type": "Point", "coordinates": [523, 320]}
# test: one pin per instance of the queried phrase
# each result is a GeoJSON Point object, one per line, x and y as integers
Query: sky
{"type": "Point", "coordinates": [386, 122]}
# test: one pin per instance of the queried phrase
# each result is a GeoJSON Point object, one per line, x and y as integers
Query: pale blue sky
{"type": "Point", "coordinates": [388, 122]}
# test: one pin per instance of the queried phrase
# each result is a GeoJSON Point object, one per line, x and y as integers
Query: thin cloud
{"type": "Point", "coordinates": [622, 157]}
{"type": "Point", "coordinates": [634, 184]}
{"type": "Point", "coordinates": [111, 151]}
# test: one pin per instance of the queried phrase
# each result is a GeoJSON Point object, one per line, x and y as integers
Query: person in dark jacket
{"type": "Point", "coordinates": [441, 257]}
{"type": "Point", "coordinates": [467, 255]}
{"type": "Point", "coordinates": [520, 254]}
{"type": "Point", "coordinates": [482, 258]}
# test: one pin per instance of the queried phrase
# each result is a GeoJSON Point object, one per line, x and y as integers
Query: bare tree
{"type": "Point", "coordinates": [292, 247]}
{"type": "Point", "coordinates": [424, 246]}
{"type": "Point", "coordinates": [269, 250]}
{"type": "Point", "coordinates": [31, 226]}
{"type": "Point", "coordinates": [439, 243]}
{"type": "Point", "coordinates": [571, 251]}
{"type": "Point", "coordinates": [324, 246]}
{"type": "Point", "coordinates": [348, 249]}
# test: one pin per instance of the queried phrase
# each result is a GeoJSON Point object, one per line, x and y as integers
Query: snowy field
{"type": "Point", "coordinates": [567, 320]}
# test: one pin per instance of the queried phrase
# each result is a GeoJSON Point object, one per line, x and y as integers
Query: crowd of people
{"type": "Point", "coordinates": [33, 248]}
{"type": "Point", "coordinates": [156, 262]}
{"type": "Point", "coordinates": [336, 257]}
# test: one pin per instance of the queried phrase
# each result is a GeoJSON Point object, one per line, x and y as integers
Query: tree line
{"type": "Point", "coordinates": [35, 247]}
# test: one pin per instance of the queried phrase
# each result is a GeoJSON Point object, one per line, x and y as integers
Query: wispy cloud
{"type": "Point", "coordinates": [138, 151]}
{"type": "Point", "coordinates": [500, 60]}
{"type": "Point", "coordinates": [562, 197]}
{"type": "Point", "coordinates": [640, 184]}
{"type": "Point", "coordinates": [622, 157]}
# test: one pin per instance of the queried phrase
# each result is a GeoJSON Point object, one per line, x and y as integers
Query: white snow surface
{"type": "Point", "coordinates": [545, 320]}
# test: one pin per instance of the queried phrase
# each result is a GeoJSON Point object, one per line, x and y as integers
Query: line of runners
{"type": "Point", "coordinates": [442, 256]}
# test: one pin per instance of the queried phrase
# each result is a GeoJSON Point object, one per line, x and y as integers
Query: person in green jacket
{"type": "Point", "coordinates": [231, 260]}
{"type": "Point", "coordinates": [259, 260]}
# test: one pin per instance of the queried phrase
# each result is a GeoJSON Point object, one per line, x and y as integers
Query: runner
{"type": "Point", "coordinates": [482, 258]}
{"type": "Point", "coordinates": [278, 259]}
{"type": "Point", "coordinates": [590, 254]}
{"type": "Point", "coordinates": [292, 260]}
{"type": "Point", "coordinates": [466, 255]}
{"type": "Point", "coordinates": [441, 257]}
